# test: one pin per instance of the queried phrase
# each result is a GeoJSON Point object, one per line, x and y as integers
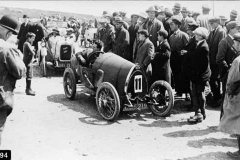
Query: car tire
{"type": "Point", "coordinates": [106, 93]}
{"type": "Point", "coordinates": [69, 83]}
{"type": "Point", "coordinates": [158, 98]}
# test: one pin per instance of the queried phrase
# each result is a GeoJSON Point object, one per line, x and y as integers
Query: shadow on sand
{"type": "Point", "coordinates": [210, 156]}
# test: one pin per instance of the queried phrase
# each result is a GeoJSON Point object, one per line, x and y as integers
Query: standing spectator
{"type": "Point", "coordinates": [38, 30]}
{"type": "Point", "coordinates": [223, 22]}
{"type": "Point", "coordinates": [185, 19]}
{"type": "Point", "coordinates": [142, 18]}
{"type": "Point", "coordinates": [227, 53]}
{"type": "Point", "coordinates": [144, 52]}
{"type": "Point", "coordinates": [153, 25]}
{"type": "Point", "coordinates": [133, 29]}
{"type": "Point", "coordinates": [200, 74]}
{"type": "Point", "coordinates": [28, 53]}
{"type": "Point", "coordinates": [12, 67]}
{"type": "Point", "coordinates": [161, 14]}
{"type": "Point", "coordinates": [177, 9]}
{"type": "Point", "coordinates": [216, 35]}
{"type": "Point", "coordinates": [188, 53]}
{"type": "Point", "coordinates": [106, 34]}
{"type": "Point", "coordinates": [230, 120]}
{"type": "Point", "coordinates": [24, 29]}
{"type": "Point", "coordinates": [195, 15]}
{"type": "Point", "coordinates": [167, 20]}
{"type": "Point", "coordinates": [116, 15]}
{"type": "Point", "coordinates": [203, 20]}
{"type": "Point", "coordinates": [124, 18]}
{"type": "Point", "coordinates": [122, 40]}
{"type": "Point", "coordinates": [233, 16]}
{"type": "Point", "coordinates": [161, 63]}
{"type": "Point", "coordinates": [178, 41]}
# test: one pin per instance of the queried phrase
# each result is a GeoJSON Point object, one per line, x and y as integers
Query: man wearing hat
{"type": "Point", "coordinates": [117, 15]}
{"type": "Point", "coordinates": [12, 67]}
{"type": "Point", "coordinates": [24, 29]}
{"type": "Point", "coordinates": [215, 36]}
{"type": "Point", "coordinates": [185, 19]}
{"type": "Point", "coordinates": [124, 18]}
{"type": "Point", "coordinates": [142, 18]}
{"type": "Point", "coordinates": [132, 33]}
{"type": "Point", "coordinates": [177, 9]}
{"type": "Point", "coordinates": [233, 16]}
{"type": "Point", "coordinates": [202, 20]}
{"type": "Point", "coordinates": [167, 21]}
{"type": "Point", "coordinates": [161, 14]}
{"type": "Point", "coordinates": [195, 15]}
{"type": "Point", "coordinates": [122, 40]}
{"type": "Point", "coordinates": [177, 41]}
{"type": "Point", "coordinates": [106, 34]}
{"type": "Point", "coordinates": [227, 53]}
{"type": "Point", "coordinates": [143, 52]}
{"type": "Point", "coordinates": [152, 25]}
{"type": "Point", "coordinates": [161, 62]}
{"type": "Point", "coordinates": [223, 20]}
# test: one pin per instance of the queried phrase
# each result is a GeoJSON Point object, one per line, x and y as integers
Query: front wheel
{"type": "Point", "coordinates": [162, 99]}
{"type": "Point", "coordinates": [69, 83]}
{"type": "Point", "coordinates": [108, 102]}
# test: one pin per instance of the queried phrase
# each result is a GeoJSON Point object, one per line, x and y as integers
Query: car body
{"type": "Point", "coordinates": [120, 85]}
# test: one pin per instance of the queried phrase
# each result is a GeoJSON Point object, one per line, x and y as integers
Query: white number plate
{"type": "Point", "coordinates": [138, 83]}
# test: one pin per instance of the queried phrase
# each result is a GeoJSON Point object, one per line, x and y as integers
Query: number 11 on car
{"type": "Point", "coordinates": [138, 83]}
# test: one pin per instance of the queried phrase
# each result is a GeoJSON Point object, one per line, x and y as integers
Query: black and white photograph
{"type": "Point", "coordinates": [120, 80]}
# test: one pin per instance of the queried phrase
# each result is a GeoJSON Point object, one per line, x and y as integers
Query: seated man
{"type": "Point", "coordinates": [84, 57]}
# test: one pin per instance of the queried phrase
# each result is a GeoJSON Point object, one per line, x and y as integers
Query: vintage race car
{"type": "Point", "coordinates": [120, 85]}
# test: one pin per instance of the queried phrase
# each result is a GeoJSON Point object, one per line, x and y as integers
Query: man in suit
{"type": "Point", "coordinates": [227, 53]}
{"type": "Point", "coordinates": [177, 9]}
{"type": "Point", "coordinates": [122, 40]}
{"type": "Point", "coordinates": [133, 29]}
{"type": "Point", "coordinates": [144, 52]}
{"type": "Point", "coordinates": [161, 63]}
{"type": "Point", "coordinates": [24, 29]}
{"type": "Point", "coordinates": [202, 20]}
{"type": "Point", "coordinates": [153, 25]}
{"type": "Point", "coordinates": [216, 35]}
{"type": "Point", "coordinates": [177, 41]}
{"type": "Point", "coordinates": [167, 20]}
{"type": "Point", "coordinates": [185, 19]}
{"type": "Point", "coordinates": [233, 16]}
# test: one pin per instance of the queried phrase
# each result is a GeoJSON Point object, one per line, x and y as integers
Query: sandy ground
{"type": "Point", "coordinates": [51, 127]}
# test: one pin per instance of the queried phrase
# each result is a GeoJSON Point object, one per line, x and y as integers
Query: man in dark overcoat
{"type": "Point", "coordinates": [122, 40]}
{"type": "Point", "coordinates": [161, 63]}
{"type": "Point", "coordinates": [12, 67]}
{"type": "Point", "coordinates": [153, 25]}
{"type": "Point", "coordinates": [215, 36]}
{"type": "Point", "coordinates": [133, 29]}
{"type": "Point", "coordinates": [39, 31]}
{"type": "Point", "coordinates": [24, 29]}
{"type": "Point", "coordinates": [227, 53]}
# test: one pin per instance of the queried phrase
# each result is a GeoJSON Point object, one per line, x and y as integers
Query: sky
{"type": "Point", "coordinates": [97, 7]}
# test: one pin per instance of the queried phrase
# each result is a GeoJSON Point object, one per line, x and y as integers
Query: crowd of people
{"type": "Point", "coordinates": [195, 53]}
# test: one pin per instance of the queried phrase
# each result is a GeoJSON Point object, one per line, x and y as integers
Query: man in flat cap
{"type": "Point", "coordinates": [24, 29]}
{"type": "Point", "coordinates": [143, 52]}
{"type": "Point", "coordinates": [161, 63]}
{"type": "Point", "coordinates": [12, 67]}
{"type": "Point", "coordinates": [233, 16]}
{"type": "Point", "coordinates": [153, 25]}
{"type": "Point", "coordinates": [185, 19]}
{"type": "Point", "coordinates": [133, 29]}
{"type": "Point", "coordinates": [227, 53]}
{"type": "Point", "coordinates": [202, 20]}
{"type": "Point", "coordinates": [178, 41]}
{"type": "Point", "coordinates": [122, 39]}
{"type": "Point", "coordinates": [216, 35]}
{"type": "Point", "coordinates": [106, 34]}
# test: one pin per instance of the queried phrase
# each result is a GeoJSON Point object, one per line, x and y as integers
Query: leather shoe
{"type": "Point", "coordinates": [30, 92]}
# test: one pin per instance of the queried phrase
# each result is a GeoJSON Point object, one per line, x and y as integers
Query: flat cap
{"type": "Point", "coordinates": [163, 33]}
{"type": "Point", "coordinates": [190, 20]}
{"type": "Point", "coordinates": [144, 32]}
{"type": "Point", "coordinates": [118, 20]}
{"type": "Point", "coordinates": [202, 31]}
{"type": "Point", "coordinates": [177, 19]}
{"type": "Point", "coordinates": [232, 24]}
{"type": "Point", "coordinates": [192, 26]}
{"type": "Point", "coordinates": [177, 6]}
{"type": "Point", "coordinates": [107, 15]}
{"type": "Point", "coordinates": [205, 7]}
{"type": "Point", "coordinates": [234, 13]}
{"type": "Point", "coordinates": [168, 12]}
{"type": "Point", "coordinates": [214, 19]}
{"type": "Point", "coordinates": [236, 36]}
{"type": "Point", "coordinates": [143, 15]}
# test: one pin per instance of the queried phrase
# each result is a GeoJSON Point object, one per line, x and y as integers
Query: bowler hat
{"type": "Point", "coordinates": [163, 33]}
{"type": "Point", "coordinates": [144, 32]}
{"type": "Point", "coordinates": [10, 23]}
{"type": "Point", "coordinates": [232, 24]}
{"type": "Point", "coordinates": [177, 19]}
{"type": "Point", "coordinates": [234, 13]}
{"type": "Point", "coordinates": [143, 15]}
{"type": "Point", "coordinates": [25, 16]}
{"type": "Point", "coordinates": [151, 9]}
{"type": "Point", "coordinates": [214, 19]}
{"type": "Point", "coordinates": [177, 6]}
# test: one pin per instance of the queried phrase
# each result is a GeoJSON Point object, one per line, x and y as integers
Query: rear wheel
{"type": "Point", "coordinates": [107, 101]}
{"type": "Point", "coordinates": [162, 99]}
{"type": "Point", "coordinates": [69, 83]}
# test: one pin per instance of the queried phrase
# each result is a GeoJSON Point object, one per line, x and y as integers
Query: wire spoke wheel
{"type": "Point", "coordinates": [108, 102]}
{"type": "Point", "coordinates": [162, 100]}
{"type": "Point", "coordinates": [69, 83]}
